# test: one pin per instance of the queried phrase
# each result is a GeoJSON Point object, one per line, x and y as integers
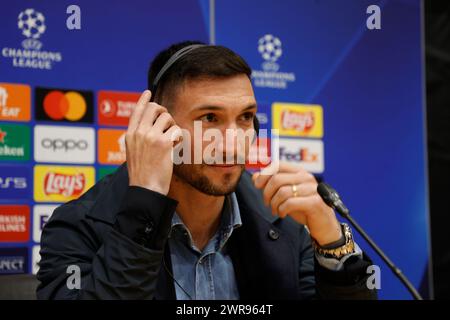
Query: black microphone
{"type": "Point", "coordinates": [333, 200]}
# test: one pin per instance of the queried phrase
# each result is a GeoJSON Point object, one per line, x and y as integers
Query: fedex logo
{"type": "Point", "coordinates": [307, 153]}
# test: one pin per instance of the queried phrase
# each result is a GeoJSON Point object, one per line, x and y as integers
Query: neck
{"type": "Point", "coordinates": [199, 212]}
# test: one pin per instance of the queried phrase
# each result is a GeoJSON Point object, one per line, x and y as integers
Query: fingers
{"type": "Point", "coordinates": [139, 110]}
{"type": "Point", "coordinates": [299, 206]}
{"type": "Point", "coordinates": [163, 122]}
{"type": "Point", "coordinates": [289, 167]}
{"type": "Point", "coordinates": [260, 179]}
{"type": "Point", "coordinates": [174, 133]}
{"type": "Point", "coordinates": [148, 121]}
{"type": "Point", "coordinates": [149, 117]}
{"type": "Point", "coordinates": [285, 192]}
{"type": "Point", "coordinates": [281, 179]}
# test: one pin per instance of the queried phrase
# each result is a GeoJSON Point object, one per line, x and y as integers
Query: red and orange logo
{"type": "Point", "coordinates": [15, 102]}
{"type": "Point", "coordinates": [259, 154]}
{"type": "Point", "coordinates": [115, 108]}
{"type": "Point", "coordinates": [64, 105]}
{"type": "Point", "coordinates": [111, 146]}
{"type": "Point", "coordinates": [70, 105]}
{"type": "Point", "coordinates": [14, 223]}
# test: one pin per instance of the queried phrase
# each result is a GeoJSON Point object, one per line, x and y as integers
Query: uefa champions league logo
{"type": "Point", "coordinates": [270, 49]}
{"type": "Point", "coordinates": [32, 25]}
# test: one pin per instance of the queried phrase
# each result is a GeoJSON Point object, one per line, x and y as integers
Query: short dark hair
{"type": "Point", "coordinates": [208, 61]}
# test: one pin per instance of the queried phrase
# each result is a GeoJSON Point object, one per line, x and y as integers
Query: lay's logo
{"type": "Point", "coordinates": [67, 185]}
{"type": "Point", "coordinates": [298, 119]}
{"type": "Point", "coordinates": [60, 183]}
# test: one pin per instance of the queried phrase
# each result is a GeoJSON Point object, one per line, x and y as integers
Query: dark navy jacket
{"type": "Point", "coordinates": [117, 234]}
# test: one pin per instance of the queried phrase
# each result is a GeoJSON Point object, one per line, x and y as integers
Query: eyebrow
{"type": "Point", "coordinates": [212, 108]}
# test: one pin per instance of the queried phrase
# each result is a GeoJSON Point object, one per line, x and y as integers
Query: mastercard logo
{"type": "Point", "coordinates": [70, 105]}
{"type": "Point", "coordinates": [55, 104]}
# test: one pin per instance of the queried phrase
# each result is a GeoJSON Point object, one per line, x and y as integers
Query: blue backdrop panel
{"type": "Point", "coordinates": [370, 85]}
{"type": "Point", "coordinates": [112, 51]}
{"type": "Point", "coordinates": [368, 82]}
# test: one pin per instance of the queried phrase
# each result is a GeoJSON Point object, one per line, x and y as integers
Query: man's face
{"type": "Point", "coordinates": [222, 104]}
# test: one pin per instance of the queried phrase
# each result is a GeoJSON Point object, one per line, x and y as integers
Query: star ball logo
{"type": "Point", "coordinates": [64, 105]}
{"type": "Point", "coordinates": [32, 25]}
{"type": "Point", "coordinates": [270, 49]}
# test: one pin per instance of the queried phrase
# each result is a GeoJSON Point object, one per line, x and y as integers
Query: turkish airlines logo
{"type": "Point", "coordinates": [108, 108]}
{"type": "Point", "coordinates": [115, 108]}
{"type": "Point", "coordinates": [64, 105]}
{"type": "Point", "coordinates": [14, 223]}
{"type": "Point", "coordinates": [64, 184]}
{"type": "Point", "coordinates": [64, 144]}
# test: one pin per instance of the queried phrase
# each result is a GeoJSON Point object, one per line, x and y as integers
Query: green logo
{"type": "Point", "coordinates": [104, 171]}
{"type": "Point", "coordinates": [14, 142]}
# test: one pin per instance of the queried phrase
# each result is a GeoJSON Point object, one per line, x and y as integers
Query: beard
{"type": "Point", "coordinates": [212, 184]}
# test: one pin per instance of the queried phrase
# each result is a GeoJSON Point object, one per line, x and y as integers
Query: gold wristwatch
{"type": "Point", "coordinates": [339, 252]}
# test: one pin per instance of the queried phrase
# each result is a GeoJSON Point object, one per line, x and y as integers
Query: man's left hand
{"type": "Point", "coordinates": [293, 191]}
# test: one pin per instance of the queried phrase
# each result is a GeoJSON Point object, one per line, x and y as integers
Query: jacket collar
{"type": "Point", "coordinates": [265, 267]}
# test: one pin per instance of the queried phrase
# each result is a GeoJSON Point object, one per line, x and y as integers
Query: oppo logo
{"type": "Point", "coordinates": [15, 182]}
{"type": "Point", "coordinates": [66, 145]}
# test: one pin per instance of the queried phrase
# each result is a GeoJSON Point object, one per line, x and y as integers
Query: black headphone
{"type": "Point", "coordinates": [174, 58]}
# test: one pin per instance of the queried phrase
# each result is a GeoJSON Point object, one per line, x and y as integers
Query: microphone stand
{"type": "Point", "coordinates": [385, 258]}
{"type": "Point", "coordinates": [332, 199]}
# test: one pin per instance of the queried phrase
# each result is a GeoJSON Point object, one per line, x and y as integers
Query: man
{"type": "Point", "coordinates": [159, 230]}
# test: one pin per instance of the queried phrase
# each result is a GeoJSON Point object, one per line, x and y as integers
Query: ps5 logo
{"type": "Point", "coordinates": [15, 182]}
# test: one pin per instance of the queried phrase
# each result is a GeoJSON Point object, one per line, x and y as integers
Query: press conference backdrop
{"type": "Point", "coordinates": [347, 101]}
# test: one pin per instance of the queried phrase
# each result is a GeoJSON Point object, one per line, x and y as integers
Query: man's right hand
{"type": "Point", "coordinates": [149, 141]}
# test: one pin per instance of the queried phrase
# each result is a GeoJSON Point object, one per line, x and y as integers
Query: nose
{"type": "Point", "coordinates": [235, 143]}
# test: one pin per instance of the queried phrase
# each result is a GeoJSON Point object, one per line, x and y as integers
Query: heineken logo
{"type": "Point", "coordinates": [14, 142]}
